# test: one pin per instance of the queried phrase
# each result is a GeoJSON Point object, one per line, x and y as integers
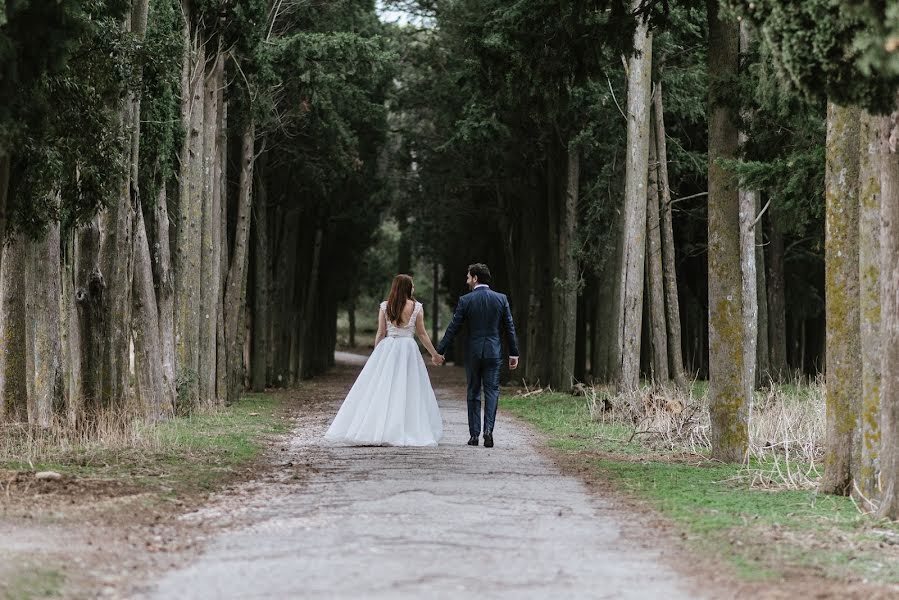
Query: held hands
{"type": "Point", "coordinates": [438, 360]}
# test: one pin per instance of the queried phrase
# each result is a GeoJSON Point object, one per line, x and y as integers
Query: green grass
{"type": "Point", "coordinates": [32, 583]}
{"type": "Point", "coordinates": [760, 533]}
{"type": "Point", "coordinates": [182, 455]}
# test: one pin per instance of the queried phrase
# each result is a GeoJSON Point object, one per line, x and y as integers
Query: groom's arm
{"type": "Point", "coordinates": [510, 330]}
{"type": "Point", "coordinates": [453, 328]}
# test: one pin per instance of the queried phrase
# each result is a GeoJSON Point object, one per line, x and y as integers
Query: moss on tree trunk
{"type": "Point", "coordinates": [889, 272]}
{"type": "Point", "coordinates": [727, 393]}
{"type": "Point", "coordinates": [842, 296]}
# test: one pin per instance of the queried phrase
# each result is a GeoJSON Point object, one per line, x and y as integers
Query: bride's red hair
{"type": "Point", "coordinates": [400, 292]}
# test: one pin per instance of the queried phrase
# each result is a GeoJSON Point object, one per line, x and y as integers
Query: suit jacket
{"type": "Point", "coordinates": [485, 312]}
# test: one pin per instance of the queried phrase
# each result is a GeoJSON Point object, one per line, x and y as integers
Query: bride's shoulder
{"type": "Point", "coordinates": [384, 305]}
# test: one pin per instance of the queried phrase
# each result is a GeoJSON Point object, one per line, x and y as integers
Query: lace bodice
{"type": "Point", "coordinates": [407, 330]}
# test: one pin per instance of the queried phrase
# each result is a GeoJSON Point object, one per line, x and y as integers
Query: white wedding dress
{"type": "Point", "coordinates": [392, 402]}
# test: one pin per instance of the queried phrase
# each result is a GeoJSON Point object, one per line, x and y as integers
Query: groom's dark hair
{"type": "Point", "coordinates": [480, 271]}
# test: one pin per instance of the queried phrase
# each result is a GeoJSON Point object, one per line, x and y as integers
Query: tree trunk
{"type": "Point", "coordinates": [351, 317]}
{"type": "Point", "coordinates": [658, 330]}
{"type": "Point", "coordinates": [308, 315]}
{"type": "Point", "coordinates": [13, 389]}
{"type": "Point", "coordinates": [604, 355]}
{"type": "Point", "coordinates": [189, 230]}
{"type": "Point", "coordinates": [235, 293]}
{"type": "Point", "coordinates": [868, 445]}
{"type": "Point", "coordinates": [748, 271]}
{"type": "Point", "coordinates": [156, 397]}
{"type": "Point", "coordinates": [435, 305]}
{"type": "Point", "coordinates": [566, 294]}
{"type": "Point", "coordinates": [630, 305]}
{"type": "Point", "coordinates": [777, 304]}
{"type": "Point", "coordinates": [222, 252]}
{"type": "Point", "coordinates": [260, 289]}
{"type": "Point", "coordinates": [165, 293]}
{"type": "Point", "coordinates": [70, 332]}
{"type": "Point", "coordinates": [43, 345]}
{"type": "Point", "coordinates": [669, 269]}
{"type": "Point", "coordinates": [5, 162]}
{"type": "Point", "coordinates": [211, 233]}
{"type": "Point", "coordinates": [842, 296]}
{"type": "Point", "coordinates": [89, 291]}
{"type": "Point", "coordinates": [727, 392]}
{"type": "Point", "coordinates": [763, 352]}
{"type": "Point", "coordinates": [889, 306]}
{"type": "Point", "coordinates": [580, 341]}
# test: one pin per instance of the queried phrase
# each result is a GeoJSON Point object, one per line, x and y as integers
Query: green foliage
{"type": "Point", "coordinates": [846, 51]}
{"type": "Point", "coordinates": [161, 129]}
{"type": "Point", "coordinates": [72, 141]}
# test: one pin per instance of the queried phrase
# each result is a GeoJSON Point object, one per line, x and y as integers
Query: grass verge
{"type": "Point", "coordinates": [182, 456]}
{"type": "Point", "coordinates": [32, 583]}
{"type": "Point", "coordinates": [761, 533]}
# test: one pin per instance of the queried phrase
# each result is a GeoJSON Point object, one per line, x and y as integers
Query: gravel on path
{"type": "Point", "coordinates": [449, 522]}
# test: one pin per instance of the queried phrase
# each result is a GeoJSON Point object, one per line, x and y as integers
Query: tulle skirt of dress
{"type": "Point", "coordinates": [392, 402]}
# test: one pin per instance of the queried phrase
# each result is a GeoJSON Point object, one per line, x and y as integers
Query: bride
{"type": "Point", "coordinates": [392, 402]}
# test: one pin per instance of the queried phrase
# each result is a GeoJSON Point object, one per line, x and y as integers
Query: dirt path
{"type": "Point", "coordinates": [446, 522]}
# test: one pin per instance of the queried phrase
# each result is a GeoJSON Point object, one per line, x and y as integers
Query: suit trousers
{"type": "Point", "coordinates": [482, 373]}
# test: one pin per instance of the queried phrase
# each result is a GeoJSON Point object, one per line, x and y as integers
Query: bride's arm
{"type": "Point", "coordinates": [422, 333]}
{"type": "Point", "coordinates": [382, 327]}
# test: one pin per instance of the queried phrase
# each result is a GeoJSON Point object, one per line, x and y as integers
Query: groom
{"type": "Point", "coordinates": [486, 312]}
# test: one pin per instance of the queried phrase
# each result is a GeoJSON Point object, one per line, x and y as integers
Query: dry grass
{"type": "Point", "coordinates": [786, 427]}
{"type": "Point", "coordinates": [108, 432]}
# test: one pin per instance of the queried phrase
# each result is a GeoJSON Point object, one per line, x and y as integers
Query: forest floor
{"type": "Point", "coordinates": [250, 502]}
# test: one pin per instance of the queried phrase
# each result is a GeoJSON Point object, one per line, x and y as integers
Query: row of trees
{"type": "Point", "coordinates": [665, 242]}
{"type": "Point", "coordinates": [178, 181]}
{"type": "Point", "coordinates": [619, 137]}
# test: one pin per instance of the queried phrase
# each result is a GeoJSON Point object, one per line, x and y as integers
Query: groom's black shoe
{"type": "Point", "coordinates": [488, 440]}
{"type": "Point", "coordinates": [473, 441]}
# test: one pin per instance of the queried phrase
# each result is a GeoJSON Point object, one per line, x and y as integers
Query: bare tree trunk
{"type": "Point", "coordinates": [308, 314]}
{"type": "Point", "coordinates": [210, 257]}
{"type": "Point", "coordinates": [435, 305]}
{"type": "Point", "coordinates": [285, 271]}
{"type": "Point", "coordinates": [749, 200]}
{"type": "Point", "coordinates": [222, 252]}
{"type": "Point", "coordinates": [260, 289]}
{"type": "Point", "coordinates": [868, 444]}
{"type": "Point", "coordinates": [669, 270]}
{"type": "Point", "coordinates": [748, 270]}
{"type": "Point", "coordinates": [156, 397]}
{"type": "Point", "coordinates": [189, 229]}
{"type": "Point", "coordinates": [777, 304]}
{"type": "Point", "coordinates": [351, 317]}
{"type": "Point", "coordinates": [566, 294]}
{"type": "Point", "coordinates": [43, 345]}
{"type": "Point", "coordinates": [889, 306]}
{"type": "Point", "coordinates": [13, 389]}
{"type": "Point", "coordinates": [842, 296]}
{"type": "Point", "coordinates": [89, 291]}
{"type": "Point", "coordinates": [763, 352]}
{"type": "Point", "coordinates": [5, 162]}
{"type": "Point", "coordinates": [658, 329]}
{"type": "Point", "coordinates": [630, 305]}
{"type": "Point", "coordinates": [70, 332]}
{"type": "Point", "coordinates": [165, 299]}
{"type": "Point", "coordinates": [727, 392]}
{"type": "Point", "coordinates": [117, 260]}
{"type": "Point", "coordinates": [605, 358]}
{"type": "Point", "coordinates": [235, 292]}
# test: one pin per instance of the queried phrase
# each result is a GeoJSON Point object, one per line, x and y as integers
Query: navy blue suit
{"type": "Point", "coordinates": [486, 312]}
